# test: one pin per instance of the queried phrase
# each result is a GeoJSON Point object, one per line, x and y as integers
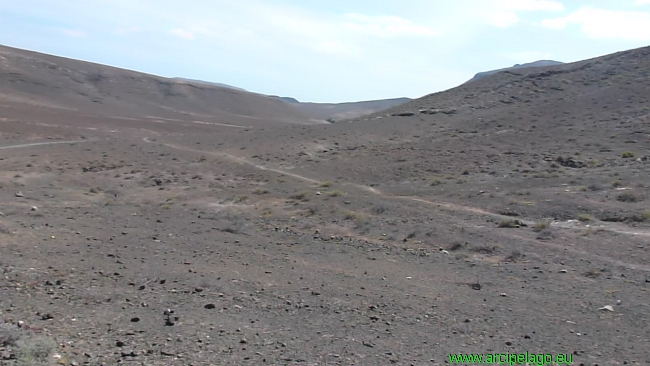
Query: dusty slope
{"type": "Point", "coordinates": [45, 80]}
{"type": "Point", "coordinates": [540, 63]}
{"type": "Point", "coordinates": [379, 241]}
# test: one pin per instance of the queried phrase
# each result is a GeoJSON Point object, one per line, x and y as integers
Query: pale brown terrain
{"type": "Point", "coordinates": [500, 216]}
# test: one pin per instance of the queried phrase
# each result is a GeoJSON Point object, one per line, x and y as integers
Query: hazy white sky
{"type": "Point", "coordinates": [329, 50]}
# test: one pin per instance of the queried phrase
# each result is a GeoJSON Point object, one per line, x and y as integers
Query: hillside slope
{"type": "Point", "coordinates": [540, 63]}
{"type": "Point", "coordinates": [57, 82]}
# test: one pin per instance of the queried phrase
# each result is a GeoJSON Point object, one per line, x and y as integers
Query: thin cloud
{"type": "Point", "coordinates": [386, 26]}
{"type": "Point", "coordinates": [503, 19]}
{"type": "Point", "coordinates": [182, 33]}
{"type": "Point", "coordinates": [531, 5]}
{"type": "Point", "coordinates": [74, 33]}
{"type": "Point", "coordinates": [504, 13]}
{"type": "Point", "coordinates": [642, 2]}
{"type": "Point", "coordinates": [606, 24]}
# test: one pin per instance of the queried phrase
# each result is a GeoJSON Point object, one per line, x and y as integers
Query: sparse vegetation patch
{"type": "Point", "coordinates": [646, 216]}
{"type": "Point", "coordinates": [542, 225]}
{"type": "Point", "coordinates": [629, 196]}
{"type": "Point", "coordinates": [514, 256]}
{"type": "Point", "coordinates": [585, 217]}
{"type": "Point", "coordinates": [336, 193]}
{"type": "Point", "coordinates": [509, 223]}
{"type": "Point", "coordinates": [301, 196]}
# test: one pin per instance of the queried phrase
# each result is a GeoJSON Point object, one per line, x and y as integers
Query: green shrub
{"type": "Point", "coordinates": [302, 196]}
{"type": "Point", "coordinates": [541, 225]}
{"type": "Point", "coordinates": [350, 215]}
{"type": "Point", "coordinates": [585, 217]}
{"type": "Point", "coordinates": [629, 197]}
{"type": "Point", "coordinates": [34, 351]}
{"type": "Point", "coordinates": [627, 155]}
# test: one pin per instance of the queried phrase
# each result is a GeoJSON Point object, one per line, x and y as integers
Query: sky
{"type": "Point", "coordinates": [325, 51]}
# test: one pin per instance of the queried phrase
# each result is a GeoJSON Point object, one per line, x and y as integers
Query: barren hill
{"type": "Point", "coordinates": [194, 81]}
{"type": "Point", "coordinates": [540, 63]}
{"type": "Point", "coordinates": [56, 82]}
{"type": "Point", "coordinates": [507, 215]}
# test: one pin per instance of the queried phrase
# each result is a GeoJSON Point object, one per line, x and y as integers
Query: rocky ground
{"type": "Point", "coordinates": [467, 221]}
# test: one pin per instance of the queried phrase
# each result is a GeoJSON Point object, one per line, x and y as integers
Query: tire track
{"type": "Point", "coordinates": [446, 205]}
{"type": "Point", "coordinates": [45, 143]}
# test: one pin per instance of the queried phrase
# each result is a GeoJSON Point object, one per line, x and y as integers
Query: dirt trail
{"type": "Point", "coordinates": [238, 160]}
{"type": "Point", "coordinates": [375, 191]}
{"type": "Point", "coordinates": [44, 143]}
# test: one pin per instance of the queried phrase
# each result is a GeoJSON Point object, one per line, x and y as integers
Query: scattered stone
{"type": "Point", "coordinates": [570, 162]}
{"type": "Point", "coordinates": [130, 353]}
{"type": "Point", "coordinates": [607, 308]}
{"type": "Point", "coordinates": [135, 319]}
{"type": "Point", "coordinates": [6, 355]}
{"type": "Point", "coordinates": [34, 208]}
{"type": "Point", "coordinates": [403, 114]}
{"type": "Point", "coordinates": [210, 306]}
{"type": "Point", "coordinates": [20, 194]}
{"type": "Point", "coordinates": [169, 319]}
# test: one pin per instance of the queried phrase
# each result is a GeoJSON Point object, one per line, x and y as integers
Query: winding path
{"type": "Point", "coordinates": [446, 205]}
{"type": "Point", "coordinates": [44, 143]}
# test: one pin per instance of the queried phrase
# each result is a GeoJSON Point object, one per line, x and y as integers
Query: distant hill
{"type": "Point", "coordinates": [208, 83]}
{"type": "Point", "coordinates": [32, 78]}
{"type": "Point", "coordinates": [540, 63]}
{"type": "Point", "coordinates": [286, 99]}
{"type": "Point", "coordinates": [341, 111]}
